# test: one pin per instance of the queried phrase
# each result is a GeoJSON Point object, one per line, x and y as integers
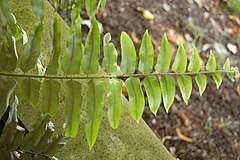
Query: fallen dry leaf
{"type": "Point", "coordinates": [185, 119]}
{"type": "Point", "coordinates": [135, 38]}
{"type": "Point", "coordinates": [183, 137]}
{"type": "Point", "coordinates": [238, 90]}
{"type": "Point", "coordinates": [148, 15]}
{"type": "Point", "coordinates": [235, 19]}
{"type": "Point", "coordinates": [166, 138]}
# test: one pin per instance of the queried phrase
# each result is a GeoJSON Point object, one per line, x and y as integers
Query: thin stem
{"type": "Point", "coordinates": [106, 76]}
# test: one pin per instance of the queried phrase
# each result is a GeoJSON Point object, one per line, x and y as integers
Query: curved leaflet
{"type": "Point", "coordinates": [8, 57]}
{"type": "Point", "coordinates": [180, 62]}
{"type": "Point", "coordinates": [7, 86]}
{"type": "Point", "coordinates": [73, 95]}
{"type": "Point", "coordinates": [91, 55]}
{"type": "Point", "coordinates": [185, 85]}
{"type": "Point", "coordinates": [56, 30]}
{"type": "Point", "coordinates": [227, 67]}
{"type": "Point", "coordinates": [31, 52]}
{"type": "Point", "coordinates": [72, 57]}
{"type": "Point", "coordinates": [153, 90]}
{"type": "Point", "coordinates": [50, 99]}
{"type": "Point", "coordinates": [94, 110]}
{"type": "Point", "coordinates": [91, 7]}
{"type": "Point", "coordinates": [201, 81]}
{"type": "Point", "coordinates": [136, 98]}
{"type": "Point", "coordinates": [30, 90]}
{"type": "Point", "coordinates": [109, 63]}
{"type": "Point", "coordinates": [168, 91]}
{"type": "Point", "coordinates": [128, 54]}
{"type": "Point", "coordinates": [114, 101]}
{"type": "Point", "coordinates": [146, 54]}
{"type": "Point", "coordinates": [164, 57]}
{"type": "Point", "coordinates": [194, 64]}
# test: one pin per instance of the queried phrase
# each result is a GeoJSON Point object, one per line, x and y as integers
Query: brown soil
{"type": "Point", "coordinates": [215, 117]}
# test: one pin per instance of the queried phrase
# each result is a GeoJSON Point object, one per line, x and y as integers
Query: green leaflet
{"type": "Point", "coordinates": [153, 90]}
{"type": "Point", "coordinates": [18, 137]}
{"type": "Point", "coordinates": [91, 7]}
{"type": "Point", "coordinates": [227, 67]}
{"type": "Point", "coordinates": [146, 54]}
{"type": "Point", "coordinates": [94, 110]}
{"type": "Point", "coordinates": [30, 90]}
{"type": "Point", "coordinates": [10, 127]}
{"type": "Point", "coordinates": [110, 55]}
{"type": "Point", "coordinates": [36, 133]}
{"type": "Point", "coordinates": [168, 91]}
{"type": "Point", "coordinates": [211, 63]}
{"type": "Point", "coordinates": [8, 57]}
{"type": "Point", "coordinates": [128, 54]}
{"type": "Point", "coordinates": [194, 65]}
{"type": "Point", "coordinates": [136, 98]}
{"type": "Point", "coordinates": [164, 57]}
{"type": "Point", "coordinates": [38, 8]}
{"type": "Point", "coordinates": [92, 50]}
{"type": "Point", "coordinates": [201, 81]}
{"type": "Point", "coordinates": [56, 30]}
{"type": "Point", "coordinates": [31, 52]}
{"type": "Point", "coordinates": [7, 22]}
{"type": "Point", "coordinates": [180, 62]}
{"type": "Point", "coordinates": [43, 141]}
{"type": "Point", "coordinates": [103, 3]}
{"type": "Point", "coordinates": [55, 144]}
{"type": "Point", "coordinates": [185, 85]}
{"type": "Point", "coordinates": [114, 101]}
{"type": "Point", "coordinates": [76, 9]}
{"type": "Point", "coordinates": [73, 95]}
{"type": "Point", "coordinates": [7, 86]}
{"type": "Point", "coordinates": [217, 78]}
{"type": "Point", "coordinates": [71, 60]}
{"type": "Point", "coordinates": [50, 99]}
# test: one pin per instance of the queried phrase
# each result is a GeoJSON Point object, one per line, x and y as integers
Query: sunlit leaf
{"type": "Point", "coordinates": [50, 99]}
{"type": "Point", "coordinates": [180, 62]}
{"type": "Point", "coordinates": [128, 54]}
{"type": "Point", "coordinates": [146, 54]}
{"type": "Point", "coordinates": [194, 65]}
{"type": "Point", "coordinates": [201, 81]}
{"type": "Point", "coordinates": [30, 90]}
{"type": "Point", "coordinates": [211, 63]}
{"type": "Point", "coordinates": [10, 127]}
{"type": "Point", "coordinates": [18, 137]}
{"type": "Point", "coordinates": [94, 110]}
{"type": "Point", "coordinates": [43, 141]}
{"type": "Point", "coordinates": [73, 95]}
{"type": "Point", "coordinates": [168, 91]}
{"type": "Point", "coordinates": [110, 55]}
{"type": "Point", "coordinates": [217, 78]}
{"type": "Point", "coordinates": [91, 55]}
{"type": "Point", "coordinates": [153, 90]}
{"type": "Point", "coordinates": [227, 67]}
{"type": "Point", "coordinates": [76, 9]}
{"type": "Point", "coordinates": [103, 3]}
{"type": "Point", "coordinates": [91, 7]}
{"type": "Point", "coordinates": [72, 57]}
{"type": "Point", "coordinates": [7, 86]}
{"type": "Point", "coordinates": [31, 52]}
{"type": "Point", "coordinates": [8, 57]}
{"type": "Point", "coordinates": [114, 101]}
{"type": "Point", "coordinates": [56, 30]}
{"type": "Point", "coordinates": [35, 133]}
{"type": "Point", "coordinates": [55, 144]}
{"type": "Point", "coordinates": [185, 85]}
{"type": "Point", "coordinates": [164, 57]}
{"type": "Point", "coordinates": [38, 8]}
{"type": "Point", "coordinates": [136, 97]}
